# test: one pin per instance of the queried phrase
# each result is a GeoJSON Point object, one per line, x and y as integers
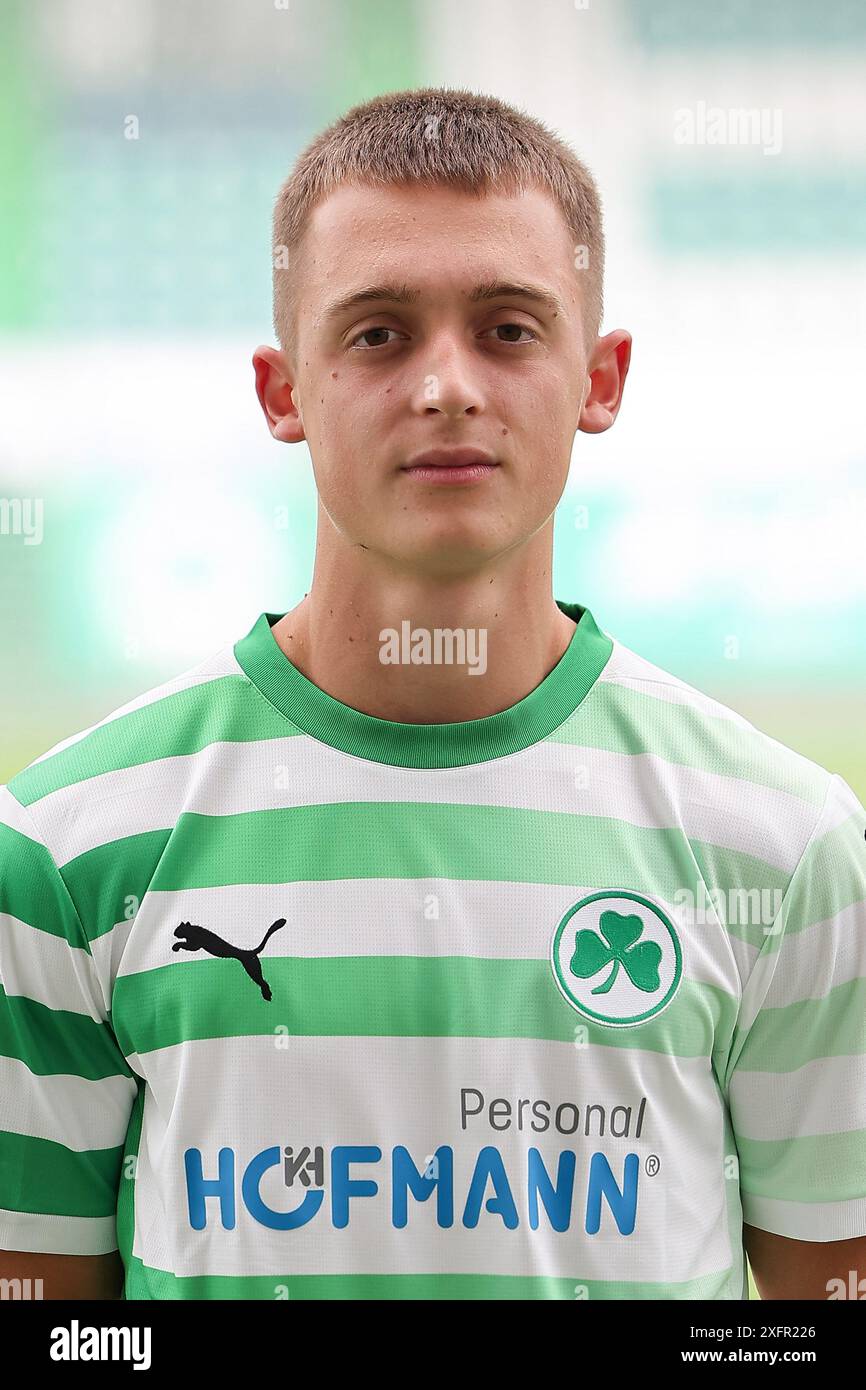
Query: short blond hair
{"type": "Point", "coordinates": [438, 137]}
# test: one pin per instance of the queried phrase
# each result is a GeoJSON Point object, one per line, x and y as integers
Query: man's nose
{"type": "Point", "coordinates": [451, 383]}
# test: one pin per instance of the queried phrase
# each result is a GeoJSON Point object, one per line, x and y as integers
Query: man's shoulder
{"type": "Point", "coordinates": [664, 715]}
{"type": "Point", "coordinates": [631, 671]}
{"type": "Point", "coordinates": [95, 775]}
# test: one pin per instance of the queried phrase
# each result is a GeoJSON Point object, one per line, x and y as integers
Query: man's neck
{"type": "Point", "coordinates": [501, 645]}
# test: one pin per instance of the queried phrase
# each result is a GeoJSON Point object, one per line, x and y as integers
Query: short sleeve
{"type": "Point", "coordinates": [66, 1091]}
{"type": "Point", "coordinates": [797, 1072]}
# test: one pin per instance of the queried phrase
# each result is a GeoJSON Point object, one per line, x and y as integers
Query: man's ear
{"type": "Point", "coordinates": [607, 368]}
{"type": "Point", "coordinates": [275, 392]}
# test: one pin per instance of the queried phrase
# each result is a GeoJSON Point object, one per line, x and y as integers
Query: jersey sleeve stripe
{"type": "Point", "coordinates": [47, 1040]}
{"type": "Point", "coordinates": [796, 1169]}
{"type": "Point", "coordinates": [32, 888]}
{"type": "Point", "coordinates": [791, 1036]}
{"type": "Point", "coordinates": [57, 1235]}
{"type": "Point", "coordinates": [806, 1220]}
{"type": "Point", "coordinates": [824, 1096]}
{"type": "Point", "coordinates": [45, 968]}
{"type": "Point", "coordinates": [66, 1108]}
{"type": "Point", "coordinates": [44, 1177]}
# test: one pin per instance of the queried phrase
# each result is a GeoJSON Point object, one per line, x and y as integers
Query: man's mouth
{"type": "Point", "coordinates": [444, 466]}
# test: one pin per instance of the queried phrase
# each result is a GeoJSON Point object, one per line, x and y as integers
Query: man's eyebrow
{"type": "Point", "coordinates": [488, 289]}
{"type": "Point", "coordinates": [512, 289]}
{"type": "Point", "coordinates": [397, 294]}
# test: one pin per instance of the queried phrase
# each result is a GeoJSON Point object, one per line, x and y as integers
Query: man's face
{"type": "Point", "coordinates": [377, 382]}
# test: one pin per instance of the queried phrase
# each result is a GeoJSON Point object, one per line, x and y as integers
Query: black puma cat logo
{"type": "Point", "coordinates": [195, 938]}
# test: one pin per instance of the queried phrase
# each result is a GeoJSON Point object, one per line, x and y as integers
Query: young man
{"type": "Point", "coordinates": [427, 942]}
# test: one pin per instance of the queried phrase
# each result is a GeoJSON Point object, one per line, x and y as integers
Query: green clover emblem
{"type": "Point", "coordinates": [639, 959]}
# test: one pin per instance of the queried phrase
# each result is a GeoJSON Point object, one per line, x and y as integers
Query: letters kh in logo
{"type": "Point", "coordinates": [617, 958]}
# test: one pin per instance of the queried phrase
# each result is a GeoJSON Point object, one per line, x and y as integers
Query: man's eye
{"type": "Point", "coordinates": [371, 332]}
{"type": "Point", "coordinates": [514, 328]}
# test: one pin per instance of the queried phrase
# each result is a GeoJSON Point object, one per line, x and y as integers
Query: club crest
{"type": "Point", "coordinates": [617, 958]}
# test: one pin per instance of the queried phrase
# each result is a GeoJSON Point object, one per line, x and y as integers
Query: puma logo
{"type": "Point", "coordinates": [195, 938]}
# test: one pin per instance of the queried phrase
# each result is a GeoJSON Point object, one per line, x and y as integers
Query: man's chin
{"type": "Point", "coordinates": [443, 556]}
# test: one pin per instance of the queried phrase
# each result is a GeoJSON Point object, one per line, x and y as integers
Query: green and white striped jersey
{"type": "Point", "coordinates": [302, 1003]}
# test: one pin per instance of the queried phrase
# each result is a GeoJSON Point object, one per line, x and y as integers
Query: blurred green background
{"type": "Point", "coordinates": [146, 517]}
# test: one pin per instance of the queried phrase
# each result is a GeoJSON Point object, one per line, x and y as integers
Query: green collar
{"type": "Point", "coordinates": [427, 745]}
